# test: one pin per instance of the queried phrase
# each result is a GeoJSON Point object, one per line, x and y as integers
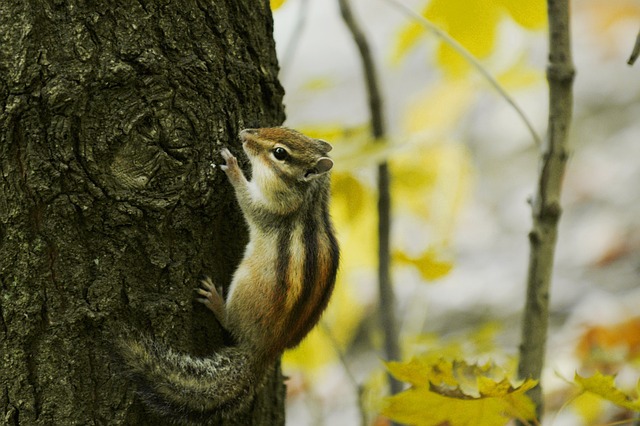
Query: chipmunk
{"type": "Point", "coordinates": [277, 293]}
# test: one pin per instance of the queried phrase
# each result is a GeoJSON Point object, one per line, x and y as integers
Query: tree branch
{"type": "Point", "coordinates": [364, 421]}
{"type": "Point", "coordinates": [635, 52]}
{"type": "Point", "coordinates": [294, 40]}
{"type": "Point", "coordinates": [387, 299]}
{"type": "Point", "coordinates": [546, 208]}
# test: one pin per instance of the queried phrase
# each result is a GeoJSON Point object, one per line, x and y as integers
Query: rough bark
{"type": "Point", "coordinates": [111, 116]}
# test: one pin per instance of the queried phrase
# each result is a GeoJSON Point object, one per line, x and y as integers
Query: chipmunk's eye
{"type": "Point", "coordinates": [280, 153]}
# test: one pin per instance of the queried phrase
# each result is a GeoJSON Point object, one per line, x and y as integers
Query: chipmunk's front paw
{"type": "Point", "coordinates": [229, 158]}
{"type": "Point", "coordinates": [231, 167]}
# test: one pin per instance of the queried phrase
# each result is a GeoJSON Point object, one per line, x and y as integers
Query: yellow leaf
{"type": "Point", "coordinates": [588, 406]}
{"type": "Point", "coordinates": [362, 151]}
{"type": "Point", "coordinates": [433, 182]}
{"type": "Point", "coordinates": [480, 342]}
{"type": "Point", "coordinates": [407, 39]}
{"type": "Point", "coordinates": [374, 389]}
{"type": "Point", "coordinates": [604, 386]}
{"type": "Point", "coordinates": [354, 213]}
{"type": "Point", "coordinates": [350, 195]}
{"type": "Point", "coordinates": [440, 108]}
{"type": "Point", "coordinates": [319, 84]}
{"type": "Point", "coordinates": [473, 23]}
{"type": "Point", "coordinates": [410, 372]}
{"type": "Point", "coordinates": [530, 14]}
{"type": "Point", "coordinates": [444, 396]}
{"type": "Point", "coordinates": [519, 75]}
{"type": "Point", "coordinates": [275, 4]}
{"type": "Point", "coordinates": [423, 371]}
{"type": "Point", "coordinates": [516, 404]}
{"type": "Point", "coordinates": [331, 132]}
{"type": "Point", "coordinates": [430, 263]}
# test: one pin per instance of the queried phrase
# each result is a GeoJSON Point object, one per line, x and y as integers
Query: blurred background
{"type": "Point", "coordinates": [463, 166]}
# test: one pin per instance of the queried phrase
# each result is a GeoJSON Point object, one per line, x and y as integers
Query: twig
{"type": "Point", "coordinates": [429, 26]}
{"type": "Point", "coordinates": [635, 52]}
{"type": "Point", "coordinates": [387, 299]}
{"type": "Point", "coordinates": [546, 208]}
{"type": "Point", "coordinates": [352, 378]}
{"type": "Point", "coordinates": [294, 39]}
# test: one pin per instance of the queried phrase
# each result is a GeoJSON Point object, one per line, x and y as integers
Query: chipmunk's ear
{"type": "Point", "coordinates": [323, 165]}
{"type": "Point", "coordinates": [325, 145]}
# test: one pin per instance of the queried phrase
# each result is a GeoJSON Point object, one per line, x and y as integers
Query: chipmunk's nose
{"type": "Point", "coordinates": [248, 131]}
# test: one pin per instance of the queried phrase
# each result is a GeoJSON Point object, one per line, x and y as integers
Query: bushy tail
{"type": "Point", "coordinates": [186, 388]}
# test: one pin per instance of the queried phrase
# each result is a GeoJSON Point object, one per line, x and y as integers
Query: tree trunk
{"type": "Point", "coordinates": [112, 114]}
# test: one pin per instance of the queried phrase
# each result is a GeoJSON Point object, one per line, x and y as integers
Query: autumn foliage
{"type": "Point", "coordinates": [454, 382]}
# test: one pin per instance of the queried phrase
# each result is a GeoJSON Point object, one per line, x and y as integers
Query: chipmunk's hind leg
{"type": "Point", "coordinates": [212, 299]}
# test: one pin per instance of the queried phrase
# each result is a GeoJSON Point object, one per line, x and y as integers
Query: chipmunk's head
{"type": "Point", "coordinates": [287, 154]}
